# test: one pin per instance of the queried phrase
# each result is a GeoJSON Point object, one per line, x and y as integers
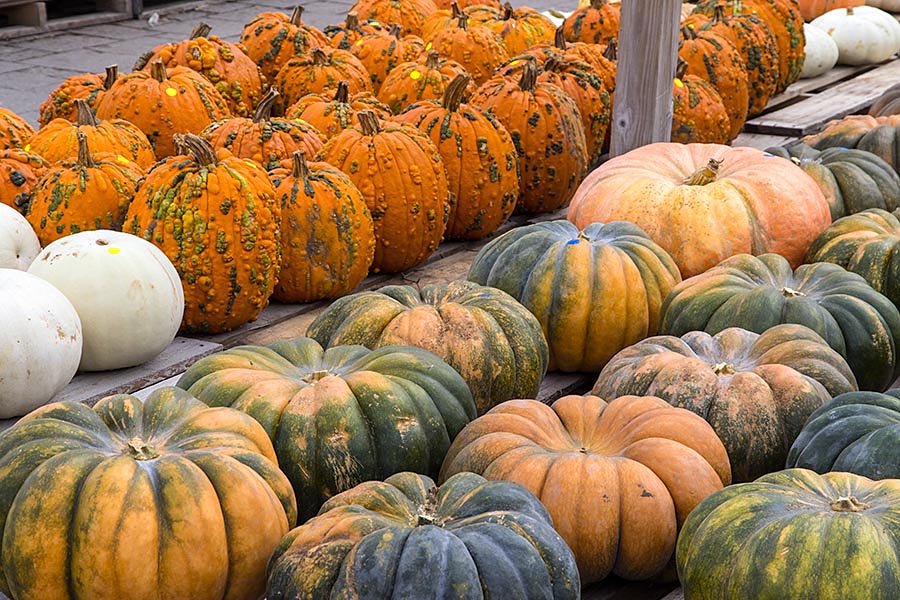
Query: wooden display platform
{"type": "Point", "coordinates": [19, 18]}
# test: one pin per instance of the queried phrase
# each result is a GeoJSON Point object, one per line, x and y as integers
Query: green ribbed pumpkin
{"type": "Point", "coordinates": [851, 180]}
{"type": "Point", "coordinates": [405, 537]}
{"type": "Point", "coordinates": [494, 342]}
{"type": "Point", "coordinates": [857, 432]}
{"type": "Point", "coordinates": [594, 291]}
{"type": "Point", "coordinates": [867, 243]}
{"type": "Point", "coordinates": [759, 292]}
{"type": "Point", "coordinates": [340, 416]}
{"type": "Point", "coordinates": [794, 534]}
{"type": "Point", "coordinates": [756, 390]}
{"type": "Point", "coordinates": [165, 498]}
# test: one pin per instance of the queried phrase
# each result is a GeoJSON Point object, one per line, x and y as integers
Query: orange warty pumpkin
{"type": "Point", "coordinates": [266, 139]}
{"type": "Point", "coordinates": [331, 115]}
{"type": "Point", "coordinates": [14, 130]}
{"type": "Point", "coordinates": [216, 218]}
{"type": "Point", "coordinates": [327, 234]}
{"type": "Point", "coordinates": [618, 478]}
{"type": "Point", "coordinates": [480, 158]}
{"type": "Point", "coordinates": [321, 71]}
{"type": "Point", "coordinates": [90, 192]}
{"type": "Point", "coordinates": [705, 202]}
{"type": "Point", "coordinates": [88, 87]}
{"type": "Point", "coordinates": [164, 102]}
{"type": "Point", "coordinates": [344, 35]}
{"type": "Point", "coordinates": [380, 53]}
{"type": "Point", "coordinates": [422, 79]}
{"type": "Point", "coordinates": [402, 177]}
{"type": "Point", "coordinates": [58, 140]}
{"type": "Point", "coordinates": [273, 38]}
{"type": "Point", "coordinates": [409, 14]}
{"type": "Point", "coordinates": [546, 127]}
{"type": "Point", "coordinates": [596, 23]}
{"type": "Point", "coordinates": [698, 112]}
{"type": "Point", "coordinates": [476, 47]}
{"type": "Point", "coordinates": [521, 28]}
{"type": "Point", "coordinates": [19, 172]}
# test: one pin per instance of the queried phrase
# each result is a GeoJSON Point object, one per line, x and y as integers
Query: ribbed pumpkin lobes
{"type": "Point", "coordinates": [57, 140]}
{"type": "Point", "coordinates": [755, 390]}
{"type": "Point", "coordinates": [321, 71]}
{"type": "Point", "coordinates": [479, 539]}
{"type": "Point", "coordinates": [593, 291]}
{"type": "Point", "coordinates": [547, 130]}
{"type": "Point", "coordinates": [273, 38]}
{"type": "Point", "coordinates": [333, 113]}
{"type": "Point", "coordinates": [402, 177]}
{"type": "Point", "coordinates": [480, 158]}
{"type": "Point", "coordinates": [164, 102]}
{"type": "Point", "coordinates": [424, 79]}
{"type": "Point", "coordinates": [521, 28]}
{"type": "Point", "coordinates": [340, 416]}
{"type": "Point", "coordinates": [92, 191]}
{"type": "Point", "coordinates": [596, 23]}
{"type": "Point", "coordinates": [485, 334]}
{"type": "Point", "coordinates": [409, 14]}
{"type": "Point", "coordinates": [698, 112]}
{"type": "Point", "coordinates": [88, 87]}
{"type": "Point", "coordinates": [217, 220]}
{"type": "Point", "coordinates": [164, 498]}
{"type": "Point", "coordinates": [380, 53]}
{"type": "Point", "coordinates": [477, 48]}
{"type": "Point", "coordinates": [263, 138]}
{"type": "Point", "coordinates": [759, 292]}
{"type": "Point", "coordinates": [327, 235]}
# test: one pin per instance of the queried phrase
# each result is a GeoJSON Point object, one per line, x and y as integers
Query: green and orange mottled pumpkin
{"type": "Point", "coordinates": [333, 113]}
{"type": "Point", "coordinates": [426, 78]}
{"type": "Point", "coordinates": [20, 170]}
{"type": "Point", "coordinates": [14, 130]}
{"type": "Point", "coordinates": [88, 87]}
{"type": "Point", "coordinates": [380, 53]}
{"type": "Point", "coordinates": [327, 235]}
{"type": "Point", "coordinates": [341, 416]}
{"type": "Point", "coordinates": [216, 217]}
{"type": "Point", "coordinates": [494, 342]}
{"type": "Point", "coordinates": [131, 499]}
{"type": "Point", "coordinates": [699, 115]}
{"type": "Point", "coordinates": [595, 23]}
{"type": "Point", "coordinates": [319, 72]}
{"type": "Point", "coordinates": [476, 47]}
{"type": "Point", "coordinates": [409, 14]}
{"type": "Point", "coordinates": [272, 38]}
{"type": "Point", "coordinates": [755, 390]}
{"type": "Point", "coordinates": [521, 27]}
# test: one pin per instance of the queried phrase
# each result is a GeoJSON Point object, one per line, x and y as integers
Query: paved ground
{"type": "Point", "coordinates": [30, 68]}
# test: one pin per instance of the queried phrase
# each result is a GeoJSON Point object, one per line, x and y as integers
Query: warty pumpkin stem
{"type": "Point", "coordinates": [200, 31]}
{"type": "Point", "coordinates": [507, 11]}
{"type": "Point", "coordinates": [368, 122]}
{"type": "Point", "coordinates": [352, 20]}
{"type": "Point", "coordinates": [462, 21]}
{"type": "Point", "coordinates": [264, 108]}
{"type": "Point", "coordinates": [453, 94]}
{"type": "Point", "coordinates": [85, 114]}
{"type": "Point", "coordinates": [529, 76]}
{"type": "Point", "coordinates": [112, 73]}
{"type": "Point", "coordinates": [342, 94]}
{"type": "Point", "coordinates": [559, 38]}
{"type": "Point", "coordinates": [705, 174]}
{"type": "Point", "coordinates": [85, 160]}
{"type": "Point", "coordinates": [299, 168]}
{"type": "Point", "coordinates": [319, 58]}
{"type": "Point", "coordinates": [202, 150]}
{"type": "Point", "coordinates": [432, 59]}
{"type": "Point", "coordinates": [297, 15]}
{"type": "Point", "coordinates": [158, 70]}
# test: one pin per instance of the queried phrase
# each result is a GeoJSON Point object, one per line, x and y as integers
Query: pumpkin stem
{"type": "Point", "coordinates": [680, 68]}
{"type": "Point", "coordinates": [85, 114]}
{"type": "Point", "coordinates": [138, 449]}
{"type": "Point", "coordinates": [611, 52]}
{"type": "Point", "coordinates": [342, 94]}
{"type": "Point", "coordinates": [264, 108]}
{"type": "Point", "coordinates": [200, 31]}
{"type": "Point", "coordinates": [158, 70]}
{"type": "Point", "coordinates": [315, 375]}
{"type": "Point", "coordinates": [299, 168]}
{"type": "Point", "coordinates": [705, 174]}
{"type": "Point", "coordinates": [724, 369]}
{"type": "Point", "coordinates": [791, 293]}
{"type": "Point", "coordinates": [368, 122]}
{"type": "Point", "coordinates": [462, 21]}
{"type": "Point", "coordinates": [553, 63]}
{"type": "Point", "coordinates": [112, 73]}
{"type": "Point", "coordinates": [559, 38]}
{"type": "Point", "coordinates": [432, 60]}
{"type": "Point", "coordinates": [198, 147]}
{"type": "Point", "coordinates": [688, 33]}
{"type": "Point", "coordinates": [848, 504]}
{"type": "Point", "coordinates": [427, 514]}
{"type": "Point", "coordinates": [453, 94]}
{"type": "Point", "coordinates": [849, 11]}
{"type": "Point", "coordinates": [528, 81]}
{"type": "Point", "coordinates": [719, 15]}
{"type": "Point", "coordinates": [85, 160]}
{"type": "Point", "coordinates": [319, 58]}
{"type": "Point", "coordinates": [352, 20]}
{"type": "Point", "coordinates": [597, 4]}
{"type": "Point", "coordinates": [507, 11]}
{"type": "Point", "coordinates": [297, 16]}
{"type": "Point", "coordinates": [395, 31]}
{"type": "Point", "coordinates": [454, 10]}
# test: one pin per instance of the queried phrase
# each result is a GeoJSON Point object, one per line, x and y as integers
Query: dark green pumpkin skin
{"type": "Point", "coordinates": [759, 292]}
{"type": "Point", "coordinates": [852, 180]}
{"type": "Point", "coordinates": [407, 538]}
{"type": "Point", "coordinates": [755, 390]}
{"type": "Point", "coordinates": [594, 291]}
{"type": "Point", "coordinates": [884, 141]}
{"type": "Point", "coordinates": [493, 341]}
{"type": "Point", "coordinates": [868, 244]}
{"type": "Point", "coordinates": [340, 416]}
{"type": "Point", "coordinates": [793, 535]}
{"type": "Point", "coordinates": [857, 432]}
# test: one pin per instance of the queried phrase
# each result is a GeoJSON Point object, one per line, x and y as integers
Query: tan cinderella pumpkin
{"type": "Point", "coordinates": [705, 202]}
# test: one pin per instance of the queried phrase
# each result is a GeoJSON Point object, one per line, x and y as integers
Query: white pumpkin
{"type": "Point", "coordinates": [18, 242]}
{"type": "Point", "coordinates": [863, 34]}
{"type": "Point", "coordinates": [126, 291]}
{"type": "Point", "coordinates": [821, 52]}
{"type": "Point", "coordinates": [40, 342]}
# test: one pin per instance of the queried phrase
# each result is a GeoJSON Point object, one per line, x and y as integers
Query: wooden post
{"type": "Point", "coordinates": [648, 47]}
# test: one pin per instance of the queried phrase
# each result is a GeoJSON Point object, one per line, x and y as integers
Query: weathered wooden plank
{"type": "Point", "coordinates": [760, 140]}
{"type": "Point", "coordinates": [810, 114]}
{"type": "Point", "coordinates": [642, 112]}
{"type": "Point", "coordinates": [556, 385]}
{"type": "Point", "coordinates": [803, 88]}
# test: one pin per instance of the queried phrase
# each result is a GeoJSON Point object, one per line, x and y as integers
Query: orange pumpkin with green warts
{"type": "Point", "coordinates": [321, 71]}
{"type": "Point", "coordinates": [604, 471]}
{"type": "Point", "coordinates": [521, 28]}
{"type": "Point", "coordinates": [547, 130]}
{"type": "Point", "coordinates": [595, 23]}
{"type": "Point", "coordinates": [442, 19]}
{"type": "Point", "coordinates": [601, 57]}
{"type": "Point", "coordinates": [380, 53]}
{"type": "Point", "coordinates": [164, 102]}
{"type": "Point", "coordinates": [161, 498]}
{"type": "Point", "coordinates": [681, 193]}
{"type": "Point", "coordinates": [215, 216]}
{"type": "Point", "coordinates": [343, 35]}
{"type": "Point", "coordinates": [92, 191]}
{"type": "Point", "coordinates": [480, 158]}
{"type": "Point", "coordinates": [409, 14]}
{"type": "Point", "coordinates": [408, 199]}
{"type": "Point", "coordinates": [446, 4]}
{"type": "Point", "coordinates": [265, 139]}
{"type": "Point", "coordinates": [88, 87]}
{"type": "Point", "coordinates": [14, 130]}
{"type": "Point", "coordinates": [273, 38]}
{"type": "Point", "coordinates": [476, 47]}
{"type": "Point", "coordinates": [20, 170]}
{"type": "Point", "coordinates": [58, 139]}
{"type": "Point", "coordinates": [698, 112]}
{"type": "Point", "coordinates": [423, 79]}
{"type": "Point", "coordinates": [327, 235]}
{"type": "Point", "coordinates": [233, 73]}
{"type": "Point", "coordinates": [330, 115]}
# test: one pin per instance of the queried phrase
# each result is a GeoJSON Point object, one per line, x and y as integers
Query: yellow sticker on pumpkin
{"type": "Point", "coordinates": [122, 159]}
{"type": "Point", "coordinates": [513, 63]}
{"type": "Point", "coordinates": [428, 46]}
{"type": "Point", "coordinates": [679, 83]}
{"type": "Point", "coordinates": [113, 250]}
{"type": "Point", "coordinates": [27, 147]}
{"type": "Point", "coordinates": [415, 75]}
{"type": "Point", "coordinates": [359, 42]}
{"type": "Point", "coordinates": [171, 91]}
